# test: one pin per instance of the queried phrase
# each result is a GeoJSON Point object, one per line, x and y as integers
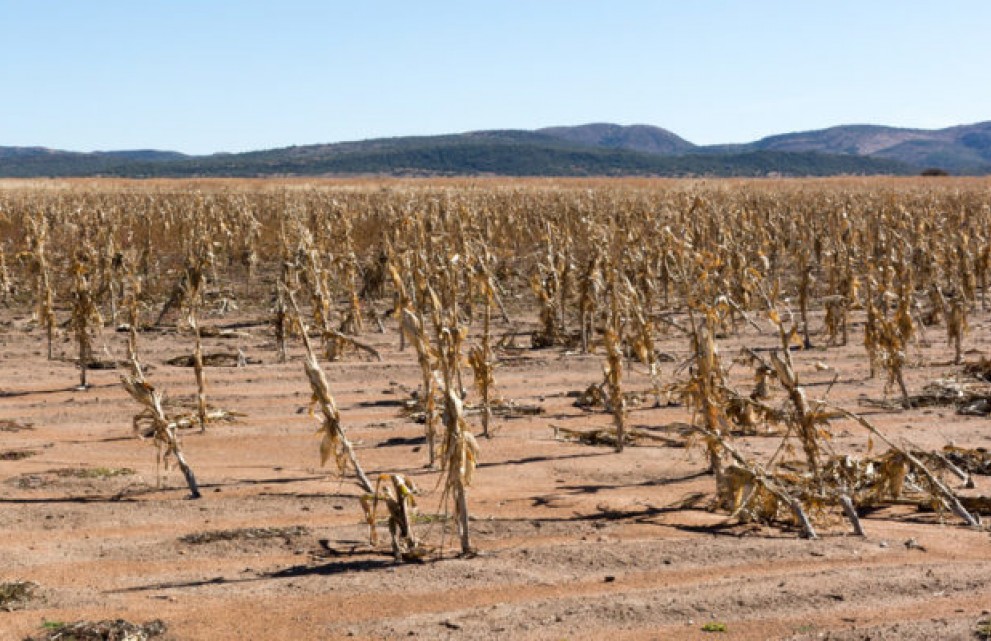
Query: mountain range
{"type": "Point", "coordinates": [584, 150]}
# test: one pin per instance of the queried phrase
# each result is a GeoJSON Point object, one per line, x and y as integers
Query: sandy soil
{"type": "Point", "coordinates": [574, 541]}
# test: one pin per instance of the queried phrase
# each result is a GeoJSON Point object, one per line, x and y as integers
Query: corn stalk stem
{"type": "Point", "coordinates": [321, 392]}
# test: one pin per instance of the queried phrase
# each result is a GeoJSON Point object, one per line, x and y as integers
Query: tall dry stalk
{"type": "Point", "coordinates": [459, 450]}
{"type": "Point", "coordinates": [426, 357]}
{"type": "Point", "coordinates": [85, 320]}
{"type": "Point", "coordinates": [6, 284]}
{"type": "Point", "coordinates": [956, 327]}
{"type": "Point", "coordinates": [706, 391]}
{"type": "Point", "coordinates": [335, 442]}
{"type": "Point", "coordinates": [195, 283]}
{"type": "Point", "coordinates": [805, 417]}
{"type": "Point", "coordinates": [480, 356]}
{"type": "Point", "coordinates": [37, 256]}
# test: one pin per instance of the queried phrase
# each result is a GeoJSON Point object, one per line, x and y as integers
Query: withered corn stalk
{"type": "Point", "coordinates": [201, 411]}
{"type": "Point", "coordinates": [613, 370]}
{"type": "Point", "coordinates": [397, 494]}
{"type": "Point", "coordinates": [590, 285]}
{"type": "Point", "coordinates": [480, 356]}
{"type": "Point", "coordinates": [37, 258]}
{"type": "Point", "coordinates": [6, 286]}
{"type": "Point", "coordinates": [335, 441]}
{"type": "Point", "coordinates": [162, 428]}
{"type": "Point", "coordinates": [956, 327]}
{"type": "Point", "coordinates": [459, 450]}
{"type": "Point", "coordinates": [804, 418]}
{"type": "Point", "coordinates": [705, 394]}
{"type": "Point", "coordinates": [281, 322]}
{"type": "Point", "coordinates": [85, 320]}
{"type": "Point", "coordinates": [936, 486]}
{"type": "Point", "coordinates": [426, 357]}
{"type": "Point", "coordinates": [192, 294]}
{"type": "Point", "coordinates": [132, 294]}
{"type": "Point", "coordinates": [755, 475]}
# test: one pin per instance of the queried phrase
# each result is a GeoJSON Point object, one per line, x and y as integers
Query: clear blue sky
{"type": "Point", "coordinates": [229, 75]}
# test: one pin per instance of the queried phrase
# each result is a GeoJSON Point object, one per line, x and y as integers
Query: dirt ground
{"type": "Point", "coordinates": [574, 541]}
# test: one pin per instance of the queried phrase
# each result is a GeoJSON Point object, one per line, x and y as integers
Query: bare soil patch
{"type": "Point", "coordinates": [574, 541]}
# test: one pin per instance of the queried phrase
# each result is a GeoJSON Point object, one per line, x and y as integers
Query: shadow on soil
{"type": "Point", "coordinates": [543, 459]}
{"type": "Point", "coordinates": [135, 494]}
{"type": "Point", "coordinates": [60, 390]}
{"type": "Point", "coordinates": [589, 488]}
{"type": "Point", "coordinates": [292, 572]}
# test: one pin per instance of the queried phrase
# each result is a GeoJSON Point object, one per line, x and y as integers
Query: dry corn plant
{"type": "Point", "coordinates": [590, 286]}
{"type": "Point", "coordinates": [6, 284]}
{"type": "Point", "coordinates": [401, 300]}
{"type": "Point", "coordinates": [546, 285]}
{"type": "Point", "coordinates": [315, 276]}
{"type": "Point", "coordinates": [806, 281]}
{"type": "Point", "coordinates": [840, 480]}
{"type": "Point", "coordinates": [956, 327]}
{"type": "Point", "coordinates": [37, 257]}
{"type": "Point", "coordinates": [642, 339]}
{"type": "Point", "coordinates": [705, 390]}
{"type": "Point", "coordinates": [750, 492]}
{"type": "Point", "coordinates": [893, 338]}
{"type": "Point", "coordinates": [459, 450]}
{"type": "Point", "coordinates": [353, 322]}
{"type": "Point", "coordinates": [284, 323]}
{"type": "Point", "coordinates": [162, 429]}
{"type": "Point", "coordinates": [835, 321]}
{"type": "Point", "coordinates": [982, 263]}
{"type": "Point", "coordinates": [480, 356]}
{"type": "Point", "coordinates": [132, 296]}
{"type": "Point", "coordinates": [612, 369]}
{"type": "Point", "coordinates": [427, 359]}
{"type": "Point", "coordinates": [196, 282]}
{"type": "Point", "coordinates": [391, 489]}
{"type": "Point", "coordinates": [199, 371]}
{"type": "Point", "coordinates": [809, 420]}
{"type": "Point", "coordinates": [334, 441]}
{"type": "Point", "coordinates": [872, 338]}
{"type": "Point", "coordinates": [743, 486]}
{"type": "Point", "coordinates": [86, 318]}
{"type": "Point", "coordinates": [905, 459]}
{"type": "Point", "coordinates": [397, 493]}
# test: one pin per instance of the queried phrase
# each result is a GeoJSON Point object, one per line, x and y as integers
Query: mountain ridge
{"type": "Point", "coordinates": [960, 148]}
{"type": "Point", "coordinates": [582, 150]}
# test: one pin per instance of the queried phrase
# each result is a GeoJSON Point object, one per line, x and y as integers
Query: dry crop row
{"type": "Point", "coordinates": [608, 267]}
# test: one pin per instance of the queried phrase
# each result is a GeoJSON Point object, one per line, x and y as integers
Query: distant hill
{"type": "Point", "coordinates": [487, 156]}
{"type": "Point", "coordinates": [31, 162]}
{"type": "Point", "coordinates": [585, 150]}
{"type": "Point", "coordinates": [645, 138]}
{"type": "Point", "coordinates": [962, 149]}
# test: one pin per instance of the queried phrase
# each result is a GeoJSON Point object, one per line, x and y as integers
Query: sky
{"type": "Point", "coordinates": [204, 76]}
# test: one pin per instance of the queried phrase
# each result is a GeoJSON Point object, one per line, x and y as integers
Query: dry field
{"type": "Point", "coordinates": [654, 306]}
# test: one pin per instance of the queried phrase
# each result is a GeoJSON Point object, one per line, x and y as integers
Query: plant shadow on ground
{"type": "Point", "coordinates": [344, 566]}
{"type": "Point", "coordinates": [589, 488]}
{"type": "Point", "coordinates": [542, 459]}
{"type": "Point", "coordinates": [690, 504]}
{"type": "Point", "coordinates": [58, 390]}
{"type": "Point", "coordinates": [133, 494]}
